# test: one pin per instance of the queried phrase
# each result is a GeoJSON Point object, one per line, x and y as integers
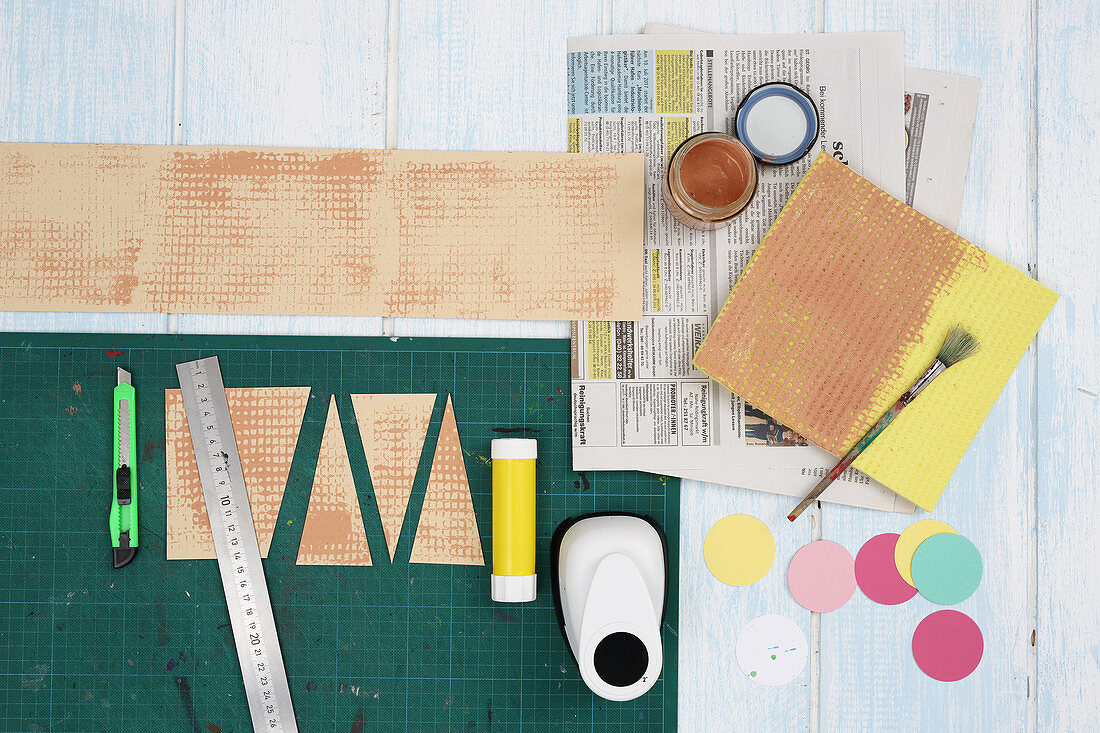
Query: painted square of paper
{"type": "Point", "coordinates": [846, 302]}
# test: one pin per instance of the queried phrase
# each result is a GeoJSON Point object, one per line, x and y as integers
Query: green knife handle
{"type": "Point", "coordinates": [124, 478]}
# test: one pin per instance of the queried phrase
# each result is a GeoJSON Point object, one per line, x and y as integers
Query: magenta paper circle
{"type": "Point", "coordinates": [947, 645]}
{"type": "Point", "coordinates": [877, 573]}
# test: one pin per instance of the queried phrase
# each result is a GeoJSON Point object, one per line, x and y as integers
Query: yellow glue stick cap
{"type": "Point", "coordinates": [513, 579]}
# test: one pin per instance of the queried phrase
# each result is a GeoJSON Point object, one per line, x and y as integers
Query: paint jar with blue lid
{"type": "Point", "coordinates": [777, 122]}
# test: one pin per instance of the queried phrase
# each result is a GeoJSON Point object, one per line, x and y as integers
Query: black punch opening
{"type": "Point", "coordinates": [620, 659]}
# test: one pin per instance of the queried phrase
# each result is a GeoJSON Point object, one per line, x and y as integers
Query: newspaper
{"type": "Point", "coordinates": [637, 401]}
{"type": "Point", "coordinates": [938, 107]}
{"type": "Point", "coordinates": [939, 128]}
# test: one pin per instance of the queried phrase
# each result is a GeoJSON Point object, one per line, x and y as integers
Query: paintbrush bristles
{"type": "Point", "coordinates": [958, 345]}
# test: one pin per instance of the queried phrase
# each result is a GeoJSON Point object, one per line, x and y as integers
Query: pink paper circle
{"type": "Point", "coordinates": [877, 573]}
{"type": "Point", "coordinates": [822, 576]}
{"type": "Point", "coordinates": [947, 645]}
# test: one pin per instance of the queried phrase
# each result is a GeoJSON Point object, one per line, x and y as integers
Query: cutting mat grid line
{"type": "Point", "coordinates": [388, 647]}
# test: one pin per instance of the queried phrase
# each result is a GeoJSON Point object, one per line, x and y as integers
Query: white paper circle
{"type": "Point", "coordinates": [776, 125]}
{"type": "Point", "coordinates": [772, 650]}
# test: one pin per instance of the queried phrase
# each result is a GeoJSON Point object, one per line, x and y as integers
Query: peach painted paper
{"type": "Point", "coordinates": [266, 422]}
{"type": "Point", "coordinates": [333, 533]}
{"type": "Point", "coordinates": [845, 303]}
{"type": "Point", "coordinates": [169, 229]}
{"type": "Point", "coordinates": [393, 428]}
{"type": "Point", "coordinates": [447, 532]}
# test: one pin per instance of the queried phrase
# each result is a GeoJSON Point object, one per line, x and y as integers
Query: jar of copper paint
{"type": "Point", "coordinates": [711, 178]}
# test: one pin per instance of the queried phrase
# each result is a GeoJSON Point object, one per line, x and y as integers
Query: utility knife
{"type": "Point", "coordinates": [124, 507]}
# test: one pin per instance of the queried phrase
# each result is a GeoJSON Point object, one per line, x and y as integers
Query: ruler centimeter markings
{"type": "Point", "coordinates": [238, 551]}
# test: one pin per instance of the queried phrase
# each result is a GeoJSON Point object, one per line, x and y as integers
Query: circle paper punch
{"type": "Point", "coordinates": [609, 574]}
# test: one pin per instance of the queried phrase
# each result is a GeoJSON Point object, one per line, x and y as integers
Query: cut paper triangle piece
{"type": "Point", "coordinates": [393, 428]}
{"type": "Point", "coordinates": [447, 531]}
{"type": "Point", "coordinates": [266, 423]}
{"type": "Point", "coordinates": [333, 533]}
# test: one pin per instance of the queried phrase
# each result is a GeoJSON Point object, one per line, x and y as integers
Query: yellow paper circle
{"type": "Point", "coordinates": [739, 549]}
{"type": "Point", "coordinates": [910, 540]}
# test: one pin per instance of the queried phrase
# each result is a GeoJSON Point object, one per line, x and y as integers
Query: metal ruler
{"type": "Point", "coordinates": [238, 551]}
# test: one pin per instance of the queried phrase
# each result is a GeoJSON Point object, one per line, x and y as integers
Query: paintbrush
{"type": "Point", "coordinates": [958, 345]}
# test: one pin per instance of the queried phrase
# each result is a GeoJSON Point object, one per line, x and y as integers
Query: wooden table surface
{"type": "Point", "coordinates": [486, 75]}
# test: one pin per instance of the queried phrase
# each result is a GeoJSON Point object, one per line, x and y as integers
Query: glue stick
{"type": "Point", "coordinates": [513, 579]}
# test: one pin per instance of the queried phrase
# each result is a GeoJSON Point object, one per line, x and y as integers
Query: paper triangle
{"type": "Point", "coordinates": [266, 422]}
{"type": "Point", "coordinates": [393, 428]}
{"type": "Point", "coordinates": [333, 533]}
{"type": "Point", "coordinates": [447, 532]}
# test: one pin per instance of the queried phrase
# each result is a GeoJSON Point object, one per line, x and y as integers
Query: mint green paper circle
{"type": "Point", "coordinates": [947, 568]}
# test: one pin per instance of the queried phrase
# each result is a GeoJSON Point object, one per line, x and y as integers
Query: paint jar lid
{"type": "Point", "coordinates": [518, 448]}
{"type": "Point", "coordinates": [513, 588]}
{"type": "Point", "coordinates": [777, 122]}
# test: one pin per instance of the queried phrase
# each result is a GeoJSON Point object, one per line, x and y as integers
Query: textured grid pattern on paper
{"type": "Point", "coordinates": [320, 232]}
{"type": "Point", "coordinates": [397, 646]}
{"type": "Point", "coordinates": [846, 302]}
{"type": "Point", "coordinates": [266, 422]}
{"type": "Point", "coordinates": [447, 532]}
{"type": "Point", "coordinates": [393, 428]}
{"type": "Point", "coordinates": [333, 533]}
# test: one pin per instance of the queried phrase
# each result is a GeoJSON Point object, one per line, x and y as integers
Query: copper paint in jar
{"type": "Point", "coordinates": [711, 178]}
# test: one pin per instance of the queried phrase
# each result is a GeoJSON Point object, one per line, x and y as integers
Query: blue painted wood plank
{"type": "Point", "coordinates": [86, 72]}
{"type": "Point", "coordinates": [751, 16]}
{"type": "Point", "coordinates": [1068, 196]}
{"type": "Point", "coordinates": [485, 75]}
{"type": "Point", "coordinates": [714, 693]}
{"type": "Point", "coordinates": [868, 677]}
{"type": "Point", "coordinates": [309, 74]}
{"type": "Point", "coordinates": [285, 73]}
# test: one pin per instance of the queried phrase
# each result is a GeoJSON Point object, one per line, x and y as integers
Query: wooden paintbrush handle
{"type": "Point", "coordinates": [842, 465]}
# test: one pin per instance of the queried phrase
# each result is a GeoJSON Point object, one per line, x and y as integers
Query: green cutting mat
{"type": "Point", "coordinates": [396, 646]}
